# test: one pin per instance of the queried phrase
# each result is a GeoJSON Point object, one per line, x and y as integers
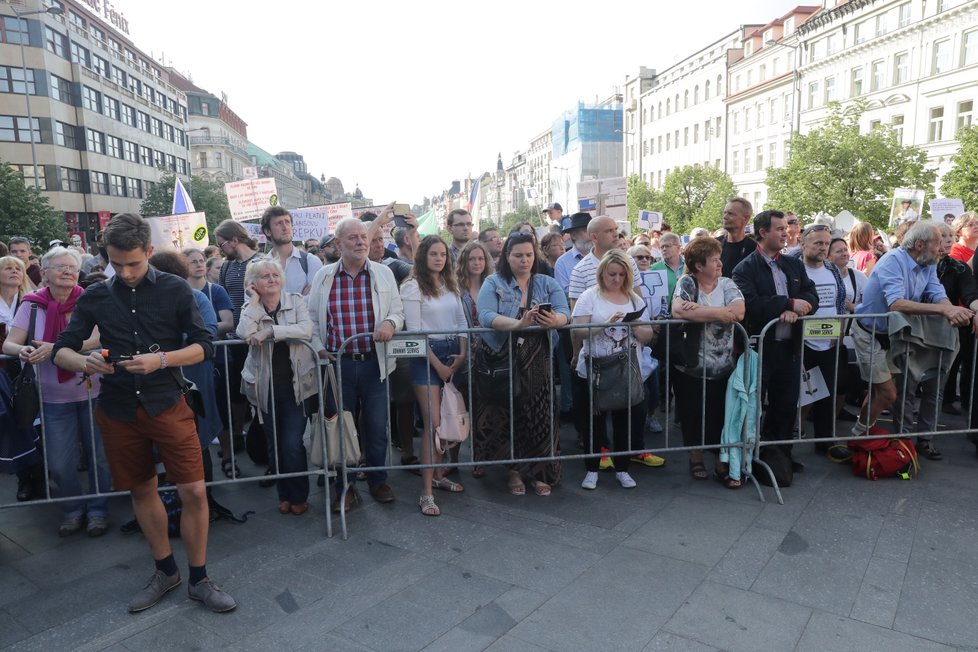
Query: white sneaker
{"type": "Point", "coordinates": [626, 480]}
{"type": "Point", "coordinates": [654, 424]}
{"type": "Point", "coordinates": [591, 480]}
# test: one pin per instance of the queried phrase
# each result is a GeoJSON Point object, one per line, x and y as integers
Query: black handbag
{"type": "Point", "coordinates": [493, 373]}
{"type": "Point", "coordinates": [26, 399]}
{"type": "Point", "coordinates": [683, 340]}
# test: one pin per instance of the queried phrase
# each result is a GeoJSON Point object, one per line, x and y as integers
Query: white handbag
{"type": "Point", "coordinates": [350, 441]}
{"type": "Point", "coordinates": [454, 426]}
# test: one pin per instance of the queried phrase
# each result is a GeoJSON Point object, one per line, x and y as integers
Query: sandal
{"type": "Point", "coordinates": [723, 477]}
{"type": "Point", "coordinates": [231, 470]}
{"type": "Point", "coordinates": [411, 460]}
{"type": "Point", "coordinates": [927, 450]}
{"type": "Point", "coordinates": [447, 485]}
{"type": "Point", "coordinates": [516, 486]}
{"type": "Point", "coordinates": [478, 472]}
{"type": "Point", "coordinates": [428, 506]}
{"type": "Point", "coordinates": [698, 470]}
{"type": "Point", "coordinates": [542, 488]}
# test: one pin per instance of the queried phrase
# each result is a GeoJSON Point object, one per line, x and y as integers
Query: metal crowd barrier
{"type": "Point", "coordinates": [270, 431]}
{"type": "Point", "coordinates": [898, 409]}
{"type": "Point", "coordinates": [416, 337]}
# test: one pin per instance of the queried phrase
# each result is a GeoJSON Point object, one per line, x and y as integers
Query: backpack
{"type": "Point", "coordinates": [884, 458]}
{"type": "Point", "coordinates": [454, 427]}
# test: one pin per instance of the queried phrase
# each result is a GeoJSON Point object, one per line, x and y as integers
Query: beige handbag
{"type": "Point", "coordinates": [351, 443]}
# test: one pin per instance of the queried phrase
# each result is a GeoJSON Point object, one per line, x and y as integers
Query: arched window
{"type": "Point", "coordinates": [696, 94]}
{"type": "Point", "coordinates": [660, 110]}
{"type": "Point", "coordinates": [677, 101]}
{"type": "Point", "coordinates": [651, 113]}
{"type": "Point", "coordinates": [668, 106]}
{"type": "Point", "coordinates": [706, 90]}
{"type": "Point", "coordinates": [686, 100]}
{"type": "Point", "coordinates": [720, 92]}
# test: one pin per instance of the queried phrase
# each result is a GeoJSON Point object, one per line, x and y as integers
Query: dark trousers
{"type": "Point", "coordinates": [626, 438]}
{"type": "Point", "coordinates": [780, 380]}
{"type": "Point", "coordinates": [701, 420]}
{"type": "Point", "coordinates": [823, 412]}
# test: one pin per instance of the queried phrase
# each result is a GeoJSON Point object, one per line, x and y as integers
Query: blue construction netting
{"type": "Point", "coordinates": [588, 123]}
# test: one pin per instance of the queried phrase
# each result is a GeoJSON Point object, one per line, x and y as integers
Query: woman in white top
{"type": "Point", "coordinates": [14, 284]}
{"type": "Point", "coordinates": [609, 301]}
{"type": "Point", "coordinates": [853, 280]}
{"type": "Point", "coordinates": [431, 303]}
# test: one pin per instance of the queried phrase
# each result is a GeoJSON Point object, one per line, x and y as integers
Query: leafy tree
{"type": "Point", "coordinates": [524, 213]}
{"type": "Point", "coordinates": [641, 197]}
{"type": "Point", "coordinates": [835, 167]}
{"type": "Point", "coordinates": [962, 180]}
{"type": "Point", "coordinates": [208, 196]}
{"type": "Point", "coordinates": [694, 196]}
{"type": "Point", "coordinates": [24, 211]}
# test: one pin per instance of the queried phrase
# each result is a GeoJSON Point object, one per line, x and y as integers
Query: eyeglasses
{"type": "Point", "coordinates": [64, 269]}
{"type": "Point", "coordinates": [640, 257]}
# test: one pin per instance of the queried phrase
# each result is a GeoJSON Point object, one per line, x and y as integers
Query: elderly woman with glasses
{"type": "Point", "coordinates": [64, 395]}
{"type": "Point", "coordinates": [522, 307]}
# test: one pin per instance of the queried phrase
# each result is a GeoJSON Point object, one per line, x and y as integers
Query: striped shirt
{"type": "Point", "coordinates": [351, 311]}
{"type": "Point", "coordinates": [585, 275]}
{"type": "Point", "coordinates": [233, 282]}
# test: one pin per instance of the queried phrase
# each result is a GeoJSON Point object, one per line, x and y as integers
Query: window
{"type": "Point", "coordinates": [135, 86]}
{"type": "Point", "coordinates": [111, 106]}
{"type": "Point", "coordinates": [205, 108]}
{"type": "Point", "coordinates": [746, 160]}
{"type": "Point", "coordinates": [772, 155]}
{"type": "Point", "coordinates": [970, 54]}
{"type": "Point", "coordinates": [119, 76]}
{"type": "Point", "coordinates": [720, 92]}
{"type": "Point", "coordinates": [135, 187]}
{"type": "Point", "coordinates": [76, 19]}
{"type": "Point", "coordinates": [901, 68]}
{"type": "Point", "coordinates": [658, 144]}
{"type": "Point", "coordinates": [142, 121]}
{"type": "Point", "coordinates": [100, 65]}
{"type": "Point", "coordinates": [964, 114]}
{"type": "Point", "coordinates": [96, 32]}
{"type": "Point", "coordinates": [168, 132]}
{"type": "Point", "coordinates": [14, 129]}
{"type": "Point", "coordinates": [14, 30]}
{"type": "Point", "coordinates": [202, 156]}
{"type": "Point", "coordinates": [686, 100]}
{"type": "Point", "coordinates": [130, 56]}
{"type": "Point", "coordinates": [149, 93]}
{"type": "Point", "coordinates": [60, 89]}
{"type": "Point", "coordinates": [130, 152]}
{"type": "Point", "coordinates": [716, 130]}
{"type": "Point", "coordinates": [904, 15]}
{"type": "Point", "coordinates": [874, 124]}
{"type": "Point", "coordinates": [760, 116]}
{"type": "Point", "coordinates": [157, 159]}
{"type": "Point", "coordinates": [66, 135]}
{"type": "Point", "coordinates": [128, 115]}
{"type": "Point", "coordinates": [91, 99]}
{"type": "Point", "coordinates": [686, 136]}
{"type": "Point", "coordinates": [171, 162]}
{"type": "Point", "coordinates": [182, 166]}
{"type": "Point", "coordinates": [877, 82]}
{"type": "Point", "coordinates": [746, 118]}
{"type": "Point", "coordinates": [830, 44]}
{"type": "Point", "coordinates": [145, 155]}
{"type": "Point", "coordinates": [856, 82]}
{"type": "Point", "coordinates": [696, 133]}
{"type": "Point", "coordinates": [117, 185]}
{"type": "Point", "coordinates": [696, 94]}
{"type": "Point", "coordinates": [829, 89]}
{"type": "Point", "coordinates": [675, 138]}
{"type": "Point", "coordinates": [181, 137]}
{"type": "Point", "coordinates": [763, 73]}
{"type": "Point", "coordinates": [12, 81]}
{"type": "Point", "coordinates": [157, 127]}
{"type": "Point", "coordinates": [99, 182]}
{"type": "Point", "coordinates": [881, 25]}
{"type": "Point", "coordinates": [80, 55]}
{"type": "Point", "coordinates": [706, 87]}
{"type": "Point", "coordinates": [942, 56]}
{"type": "Point", "coordinates": [27, 173]}
{"type": "Point", "coordinates": [935, 130]}
{"type": "Point", "coordinates": [736, 83]}
{"type": "Point", "coordinates": [774, 67]}
{"type": "Point", "coordinates": [668, 142]}
{"type": "Point", "coordinates": [897, 124]}
{"type": "Point", "coordinates": [759, 156]}
{"type": "Point", "coordinates": [812, 94]}
{"type": "Point", "coordinates": [735, 158]}
{"type": "Point", "coordinates": [113, 146]}
{"type": "Point", "coordinates": [772, 109]}
{"type": "Point", "coordinates": [55, 42]}
{"type": "Point", "coordinates": [95, 140]}
{"type": "Point", "coordinates": [706, 130]}
{"type": "Point", "coordinates": [71, 180]}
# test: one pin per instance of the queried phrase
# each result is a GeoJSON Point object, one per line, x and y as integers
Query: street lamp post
{"type": "Point", "coordinates": [54, 11]}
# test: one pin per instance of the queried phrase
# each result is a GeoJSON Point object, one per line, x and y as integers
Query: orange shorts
{"type": "Point", "coordinates": [129, 446]}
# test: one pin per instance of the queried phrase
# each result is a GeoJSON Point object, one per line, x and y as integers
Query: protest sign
{"type": "Point", "coordinates": [654, 286]}
{"type": "Point", "coordinates": [179, 231]}
{"type": "Point", "coordinates": [651, 220]}
{"type": "Point", "coordinates": [907, 205]}
{"type": "Point", "coordinates": [945, 209]}
{"type": "Point", "coordinates": [248, 199]}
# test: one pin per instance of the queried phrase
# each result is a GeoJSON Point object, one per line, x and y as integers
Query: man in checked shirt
{"type": "Point", "coordinates": [148, 321]}
{"type": "Point", "coordinates": [355, 296]}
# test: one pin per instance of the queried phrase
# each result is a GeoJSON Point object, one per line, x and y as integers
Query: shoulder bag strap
{"type": "Point", "coordinates": [332, 382]}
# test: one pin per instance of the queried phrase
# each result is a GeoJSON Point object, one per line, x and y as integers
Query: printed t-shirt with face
{"type": "Point", "coordinates": [606, 341]}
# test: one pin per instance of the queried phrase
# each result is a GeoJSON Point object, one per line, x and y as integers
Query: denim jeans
{"type": "Point", "coordinates": [285, 447]}
{"type": "Point", "coordinates": [64, 425]}
{"type": "Point", "coordinates": [364, 395]}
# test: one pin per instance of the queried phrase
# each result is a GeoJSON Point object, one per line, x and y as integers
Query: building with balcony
{"type": "Point", "coordinates": [104, 116]}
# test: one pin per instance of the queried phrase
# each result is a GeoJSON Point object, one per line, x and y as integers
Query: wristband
{"type": "Point", "coordinates": [163, 361]}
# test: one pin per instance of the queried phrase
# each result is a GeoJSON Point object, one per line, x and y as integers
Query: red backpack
{"type": "Point", "coordinates": [884, 458]}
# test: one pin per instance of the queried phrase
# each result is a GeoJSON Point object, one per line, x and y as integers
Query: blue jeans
{"type": "Point", "coordinates": [364, 395]}
{"type": "Point", "coordinates": [64, 425]}
{"type": "Point", "coordinates": [284, 432]}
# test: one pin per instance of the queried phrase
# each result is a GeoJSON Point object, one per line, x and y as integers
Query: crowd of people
{"type": "Point", "coordinates": [148, 320]}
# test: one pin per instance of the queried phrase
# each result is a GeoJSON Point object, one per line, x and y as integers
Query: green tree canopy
{"type": "Point", "coordinates": [962, 180]}
{"type": "Point", "coordinates": [835, 167]}
{"type": "Point", "coordinates": [691, 196]}
{"type": "Point", "coordinates": [525, 213]}
{"type": "Point", "coordinates": [24, 211]}
{"type": "Point", "coordinates": [208, 196]}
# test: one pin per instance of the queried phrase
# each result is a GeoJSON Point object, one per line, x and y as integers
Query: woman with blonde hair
{"type": "Point", "coordinates": [14, 284]}
{"type": "Point", "coordinates": [861, 246]}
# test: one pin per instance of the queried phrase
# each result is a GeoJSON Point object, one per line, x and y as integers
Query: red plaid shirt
{"type": "Point", "coordinates": [351, 311]}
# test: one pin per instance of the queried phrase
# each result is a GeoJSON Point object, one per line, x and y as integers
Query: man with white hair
{"type": "Point", "coordinates": [903, 281]}
{"type": "Point", "coordinates": [672, 263]}
{"type": "Point", "coordinates": [356, 296]}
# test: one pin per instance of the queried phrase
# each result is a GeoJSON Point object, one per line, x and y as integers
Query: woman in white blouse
{"type": "Point", "coordinates": [431, 303]}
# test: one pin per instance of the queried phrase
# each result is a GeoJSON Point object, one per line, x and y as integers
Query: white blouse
{"type": "Point", "coordinates": [443, 314]}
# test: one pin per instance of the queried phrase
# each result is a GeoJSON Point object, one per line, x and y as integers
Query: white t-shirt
{"type": "Point", "coordinates": [827, 290]}
{"type": "Point", "coordinates": [443, 314]}
{"type": "Point", "coordinates": [855, 295]}
{"type": "Point", "coordinates": [585, 275]}
{"type": "Point", "coordinates": [608, 340]}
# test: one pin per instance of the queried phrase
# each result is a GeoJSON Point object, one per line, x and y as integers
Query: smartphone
{"type": "Point", "coordinates": [400, 222]}
{"type": "Point", "coordinates": [114, 358]}
{"type": "Point", "coordinates": [545, 307]}
{"type": "Point", "coordinates": [401, 210]}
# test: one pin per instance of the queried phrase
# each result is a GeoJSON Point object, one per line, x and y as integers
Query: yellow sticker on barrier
{"type": "Point", "coordinates": [823, 328]}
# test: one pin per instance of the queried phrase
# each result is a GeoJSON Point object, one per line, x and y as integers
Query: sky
{"type": "Point", "coordinates": [402, 98]}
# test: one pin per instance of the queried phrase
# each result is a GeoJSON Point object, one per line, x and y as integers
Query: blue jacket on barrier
{"type": "Point", "coordinates": [740, 415]}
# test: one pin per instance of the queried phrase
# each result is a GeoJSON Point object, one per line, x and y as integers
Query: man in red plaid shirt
{"type": "Point", "coordinates": [357, 297]}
